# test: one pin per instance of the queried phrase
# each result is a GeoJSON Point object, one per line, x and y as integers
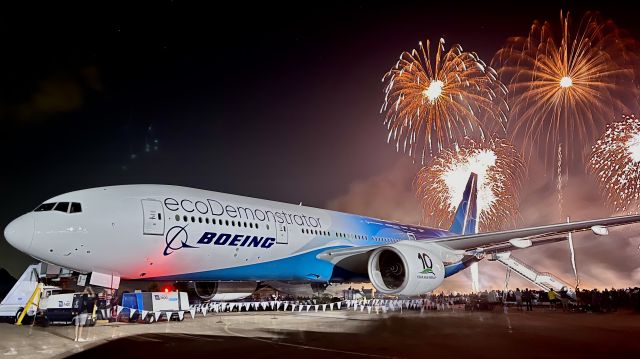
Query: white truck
{"type": "Point", "coordinates": [148, 304]}
{"type": "Point", "coordinates": [62, 307]}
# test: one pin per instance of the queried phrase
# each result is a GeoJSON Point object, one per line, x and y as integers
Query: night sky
{"type": "Point", "coordinates": [271, 101]}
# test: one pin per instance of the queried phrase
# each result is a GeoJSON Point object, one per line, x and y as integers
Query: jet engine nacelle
{"type": "Point", "coordinates": [222, 291]}
{"type": "Point", "coordinates": [404, 268]}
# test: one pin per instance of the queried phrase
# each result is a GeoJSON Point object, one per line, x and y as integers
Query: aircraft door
{"type": "Point", "coordinates": [282, 235]}
{"type": "Point", "coordinates": [153, 217]}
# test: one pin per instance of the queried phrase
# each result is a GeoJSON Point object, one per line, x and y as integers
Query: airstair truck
{"type": "Point", "coordinates": [16, 300]}
{"type": "Point", "coordinates": [51, 297]}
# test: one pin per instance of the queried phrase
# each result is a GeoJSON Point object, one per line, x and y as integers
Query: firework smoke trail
{"type": "Point", "coordinates": [615, 161]}
{"type": "Point", "coordinates": [500, 169]}
{"type": "Point", "coordinates": [431, 103]}
{"type": "Point", "coordinates": [560, 183]}
{"type": "Point", "coordinates": [563, 90]}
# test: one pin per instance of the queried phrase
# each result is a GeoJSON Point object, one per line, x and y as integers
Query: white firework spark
{"type": "Point", "coordinates": [500, 169]}
{"type": "Point", "coordinates": [615, 161]}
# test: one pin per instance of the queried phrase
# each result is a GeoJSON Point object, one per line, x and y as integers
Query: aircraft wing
{"type": "Point", "coordinates": [472, 241]}
{"type": "Point", "coordinates": [496, 241]}
{"type": "Point", "coordinates": [466, 241]}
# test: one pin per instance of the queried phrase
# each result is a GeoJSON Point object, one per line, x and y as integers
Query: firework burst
{"type": "Point", "coordinates": [500, 170]}
{"type": "Point", "coordinates": [563, 90]}
{"type": "Point", "coordinates": [432, 102]}
{"type": "Point", "coordinates": [615, 161]}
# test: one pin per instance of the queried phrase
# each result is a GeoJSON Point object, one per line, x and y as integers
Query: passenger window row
{"type": "Point", "coordinates": [338, 234]}
{"type": "Point", "coordinates": [219, 221]}
{"type": "Point", "coordinates": [384, 239]}
{"type": "Point", "coordinates": [351, 236]}
{"type": "Point", "coordinates": [315, 232]}
{"type": "Point", "coordinates": [64, 207]}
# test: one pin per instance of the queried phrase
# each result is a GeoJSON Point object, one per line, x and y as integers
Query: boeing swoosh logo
{"type": "Point", "coordinates": [176, 238]}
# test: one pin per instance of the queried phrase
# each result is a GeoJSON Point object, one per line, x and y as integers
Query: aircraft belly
{"type": "Point", "coordinates": [298, 267]}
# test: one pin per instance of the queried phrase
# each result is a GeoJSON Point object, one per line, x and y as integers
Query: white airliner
{"type": "Point", "coordinates": [223, 242]}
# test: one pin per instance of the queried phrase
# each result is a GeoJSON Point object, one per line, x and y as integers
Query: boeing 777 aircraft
{"type": "Point", "coordinates": [223, 242]}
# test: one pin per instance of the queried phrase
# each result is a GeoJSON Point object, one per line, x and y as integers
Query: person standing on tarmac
{"type": "Point", "coordinates": [527, 296]}
{"type": "Point", "coordinates": [553, 298]}
{"type": "Point", "coordinates": [564, 298]}
{"type": "Point", "coordinates": [82, 314]}
{"type": "Point", "coordinates": [518, 294]}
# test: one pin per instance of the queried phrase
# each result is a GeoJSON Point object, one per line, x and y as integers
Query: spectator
{"type": "Point", "coordinates": [564, 298]}
{"type": "Point", "coordinates": [553, 298]}
{"type": "Point", "coordinates": [82, 314]}
{"type": "Point", "coordinates": [518, 294]}
{"type": "Point", "coordinates": [492, 297]}
{"type": "Point", "coordinates": [596, 300]}
{"type": "Point", "coordinates": [527, 296]}
{"type": "Point", "coordinates": [606, 301]}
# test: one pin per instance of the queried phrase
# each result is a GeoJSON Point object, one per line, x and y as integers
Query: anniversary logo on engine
{"type": "Point", "coordinates": [427, 267]}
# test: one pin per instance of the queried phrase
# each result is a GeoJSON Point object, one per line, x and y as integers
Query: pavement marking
{"type": "Point", "coordinates": [226, 329]}
{"type": "Point", "coordinates": [195, 337]}
{"type": "Point", "coordinates": [509, 328]}
{"type": "Point", "coordinates": [141, 338]}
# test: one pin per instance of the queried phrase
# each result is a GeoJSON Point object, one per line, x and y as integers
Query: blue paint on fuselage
{"type": "Point", "coordinates": [307, 267]}
{"type": "Point", "coordinates": [301, 267]}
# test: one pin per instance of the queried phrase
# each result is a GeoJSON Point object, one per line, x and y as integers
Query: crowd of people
{"type": "Point", "coordinates": [583, 300]}
{"type": "Point", "coordinates": [609, 300]}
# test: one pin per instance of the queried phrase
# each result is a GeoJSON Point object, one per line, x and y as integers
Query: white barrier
{"type": "Point", "coordinates": [375, 305]}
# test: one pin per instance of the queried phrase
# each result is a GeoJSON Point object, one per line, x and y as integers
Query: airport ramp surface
{"type": "Point", "coordinates": [351, 334]}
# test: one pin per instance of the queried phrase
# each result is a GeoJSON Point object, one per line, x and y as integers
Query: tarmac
{"type": "Point", "coordinates": [341, 334]}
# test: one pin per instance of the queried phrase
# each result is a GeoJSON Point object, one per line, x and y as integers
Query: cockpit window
{"type": "Point", "coordinates": [75, 207]}
{"type": "Point", "coordinates": [44, 207]}
{"type": "Point", "coordinates": [65, 207]}
{"type": "Point", "coordinates": [62, 207]}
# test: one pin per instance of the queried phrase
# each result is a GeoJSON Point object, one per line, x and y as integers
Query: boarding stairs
{"type": "Point", "coordinates": [545, 280]}
{"type": "Point", "coordinates": [18, 297]}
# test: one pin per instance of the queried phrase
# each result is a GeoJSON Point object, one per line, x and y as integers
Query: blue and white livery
{"type": "Point", "coordinates": [161, 232]}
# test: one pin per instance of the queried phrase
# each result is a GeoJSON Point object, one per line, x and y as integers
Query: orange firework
{"type": "Point", "coordinates": [563, 90]}
{"type": "Point", "coordinates": [430, 103]}
{"type": "Point", "coordinates": [500, 170]}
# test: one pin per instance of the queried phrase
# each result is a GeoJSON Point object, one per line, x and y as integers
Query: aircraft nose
{"type": "Point", "coordinates": [19, 232]}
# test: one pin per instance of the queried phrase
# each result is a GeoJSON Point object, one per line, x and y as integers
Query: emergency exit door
{"type": "Point", "coordinates": [282, 236]}
{"type": "Point", "coordinates": [153, 213]}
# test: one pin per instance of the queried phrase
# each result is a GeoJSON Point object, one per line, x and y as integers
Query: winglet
{"type": "Point", "coordinates": [466, 218]}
